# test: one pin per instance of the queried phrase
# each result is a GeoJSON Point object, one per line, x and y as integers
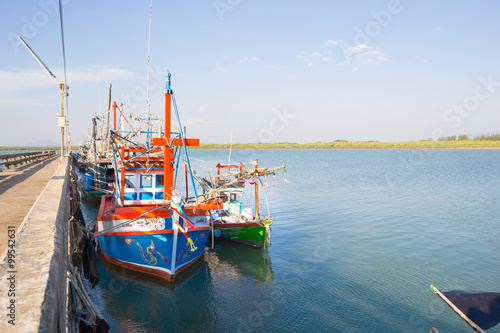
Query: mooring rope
{"type": "Point", "coordinates": [130, 221]}
{"type": "Point", "coordinates": [85, 307]}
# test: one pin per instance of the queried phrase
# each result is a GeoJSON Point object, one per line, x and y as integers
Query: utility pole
{"type": "Point", "coordinates": [62, 119]}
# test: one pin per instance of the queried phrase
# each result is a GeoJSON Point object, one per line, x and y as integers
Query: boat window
{"type": "Point", "coordinates": [159, 181]}
{"type": "Point", "coordinates": [130, 181]}
{"type": "Point", "coordinates": [130, 196]}
{"type": "Point", "coordinates": [146, 181]}
{"type": "Point", "coordinates": [146, 196]}
{"type": "Point", "coordinates": [233, 197]}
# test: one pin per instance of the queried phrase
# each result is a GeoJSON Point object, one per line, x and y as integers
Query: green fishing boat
{"type": "Point", "coordinates": [253, 233]}
{"type": "Point", "coordinates": [234, 221]}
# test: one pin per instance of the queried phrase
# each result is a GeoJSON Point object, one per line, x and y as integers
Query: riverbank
{"type": "Point", "coordinates": [339, 144]}
{"type": "Point", "coordinates": [422, 144]}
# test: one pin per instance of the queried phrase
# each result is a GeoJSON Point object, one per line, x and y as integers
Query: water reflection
{"type": "Point", "coordinates": [235, 261]}
{"type": "Point", "coordinates": [137, 302]}
{"type": "Point", "coordinates": [148, 278]}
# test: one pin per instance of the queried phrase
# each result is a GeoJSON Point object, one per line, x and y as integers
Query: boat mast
{"type": "Point", "coordinates": [148, 102]}
{"type": "Point", "coordinates": [109, 111]}
{"type": "Point", "coordinates": [168, 167]}
{"type": "Point", "coordinates": [256, 174]}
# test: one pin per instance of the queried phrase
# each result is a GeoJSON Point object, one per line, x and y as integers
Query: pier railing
{"type": "Point", "coordinates": [9, 160]}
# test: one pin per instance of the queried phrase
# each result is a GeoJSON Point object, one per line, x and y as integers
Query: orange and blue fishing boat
{"type": "Point", "coordinates": [146, 225]}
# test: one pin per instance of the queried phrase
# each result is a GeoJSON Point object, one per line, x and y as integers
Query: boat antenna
{"type": "Point", "coordinates": [148, 102]}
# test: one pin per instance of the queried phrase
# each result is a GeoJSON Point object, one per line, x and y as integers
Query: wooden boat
{"type": "Point", "coordinates": [95, 162]}
{"type": "Point", "coordinates": [97, 180]}
{"type": "Point", "coordinates": [234, 221]}
{"type": "Point", "coordinates": [145, 225]}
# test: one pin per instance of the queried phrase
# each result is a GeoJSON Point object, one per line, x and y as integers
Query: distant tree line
{"type": "Point", "coordinates": [489, 137]}
{"type": "Point", "coordinates": [35, 148]}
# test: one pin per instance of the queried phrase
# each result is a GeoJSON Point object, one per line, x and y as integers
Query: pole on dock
{"type": "Point", "coordinates": [62, 119]}
{"type": "Point", "coordinates": [109, 108]}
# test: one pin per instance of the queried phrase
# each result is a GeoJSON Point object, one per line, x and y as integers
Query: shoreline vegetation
{"type": "Point", "coordinates": [491, 141]}
{"type": "Point", "coordinates": [342, 144]}
{"type": "Point", "coordinates": [339, 144]}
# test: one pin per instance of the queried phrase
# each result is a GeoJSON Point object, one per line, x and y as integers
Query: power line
{"type": "Point", "coordinates": [64, 57]}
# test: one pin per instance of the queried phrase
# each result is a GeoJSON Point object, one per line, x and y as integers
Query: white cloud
{"type": "Point", "coordinates": [311, 58]}
{"type": "Point", "coordinates": [355, 69]}
{"type": "Point", "coordinates": [357, 49]}
{"type": "Point", "coordinates": [221, 69]}
{"type": "Point", "coordinates": [196, 121]}
{"type": "Point", "coordinates": [106, 74]}
{"type": "Point", "coordinates": [366, 55]}
{"type": "Point", "coordinates": [420, 59]}
{"type": "Point", "coordinates": [204, 109]}
{"type": "Point", "coordinates": [276, 67]}
{"type": "Point", "coordinates": [11, 81]}
{"type": "Point", "coordinates": [331, 42]}
{"type": "Point", "coordinates": [17, 80]}
{"type": "Point", "coordinates": [247, 59]}
{"type": "Point", "coordinates": [361, 54]}
{"type": "Point", "coordinates": [192, 121]}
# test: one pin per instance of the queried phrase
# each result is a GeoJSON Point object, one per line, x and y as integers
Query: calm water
{"type": "Point", "coordinates": [358, 237]}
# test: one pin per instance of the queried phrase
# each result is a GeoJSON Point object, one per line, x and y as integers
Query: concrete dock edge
{"type": "Point", "coordinates": [36, 282]}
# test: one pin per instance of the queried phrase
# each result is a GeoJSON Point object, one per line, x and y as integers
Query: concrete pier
{"type": "Point", "coordinates": [33, 269]}
{"type": "Point", "coordinates": [19, 188]}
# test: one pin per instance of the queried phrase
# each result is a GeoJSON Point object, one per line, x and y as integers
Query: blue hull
{"type": "Point", "coordinates": [162, 253]}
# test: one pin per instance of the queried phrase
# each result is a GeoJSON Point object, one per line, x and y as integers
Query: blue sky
{"type": "Point", "coordinates": [271, 71]}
